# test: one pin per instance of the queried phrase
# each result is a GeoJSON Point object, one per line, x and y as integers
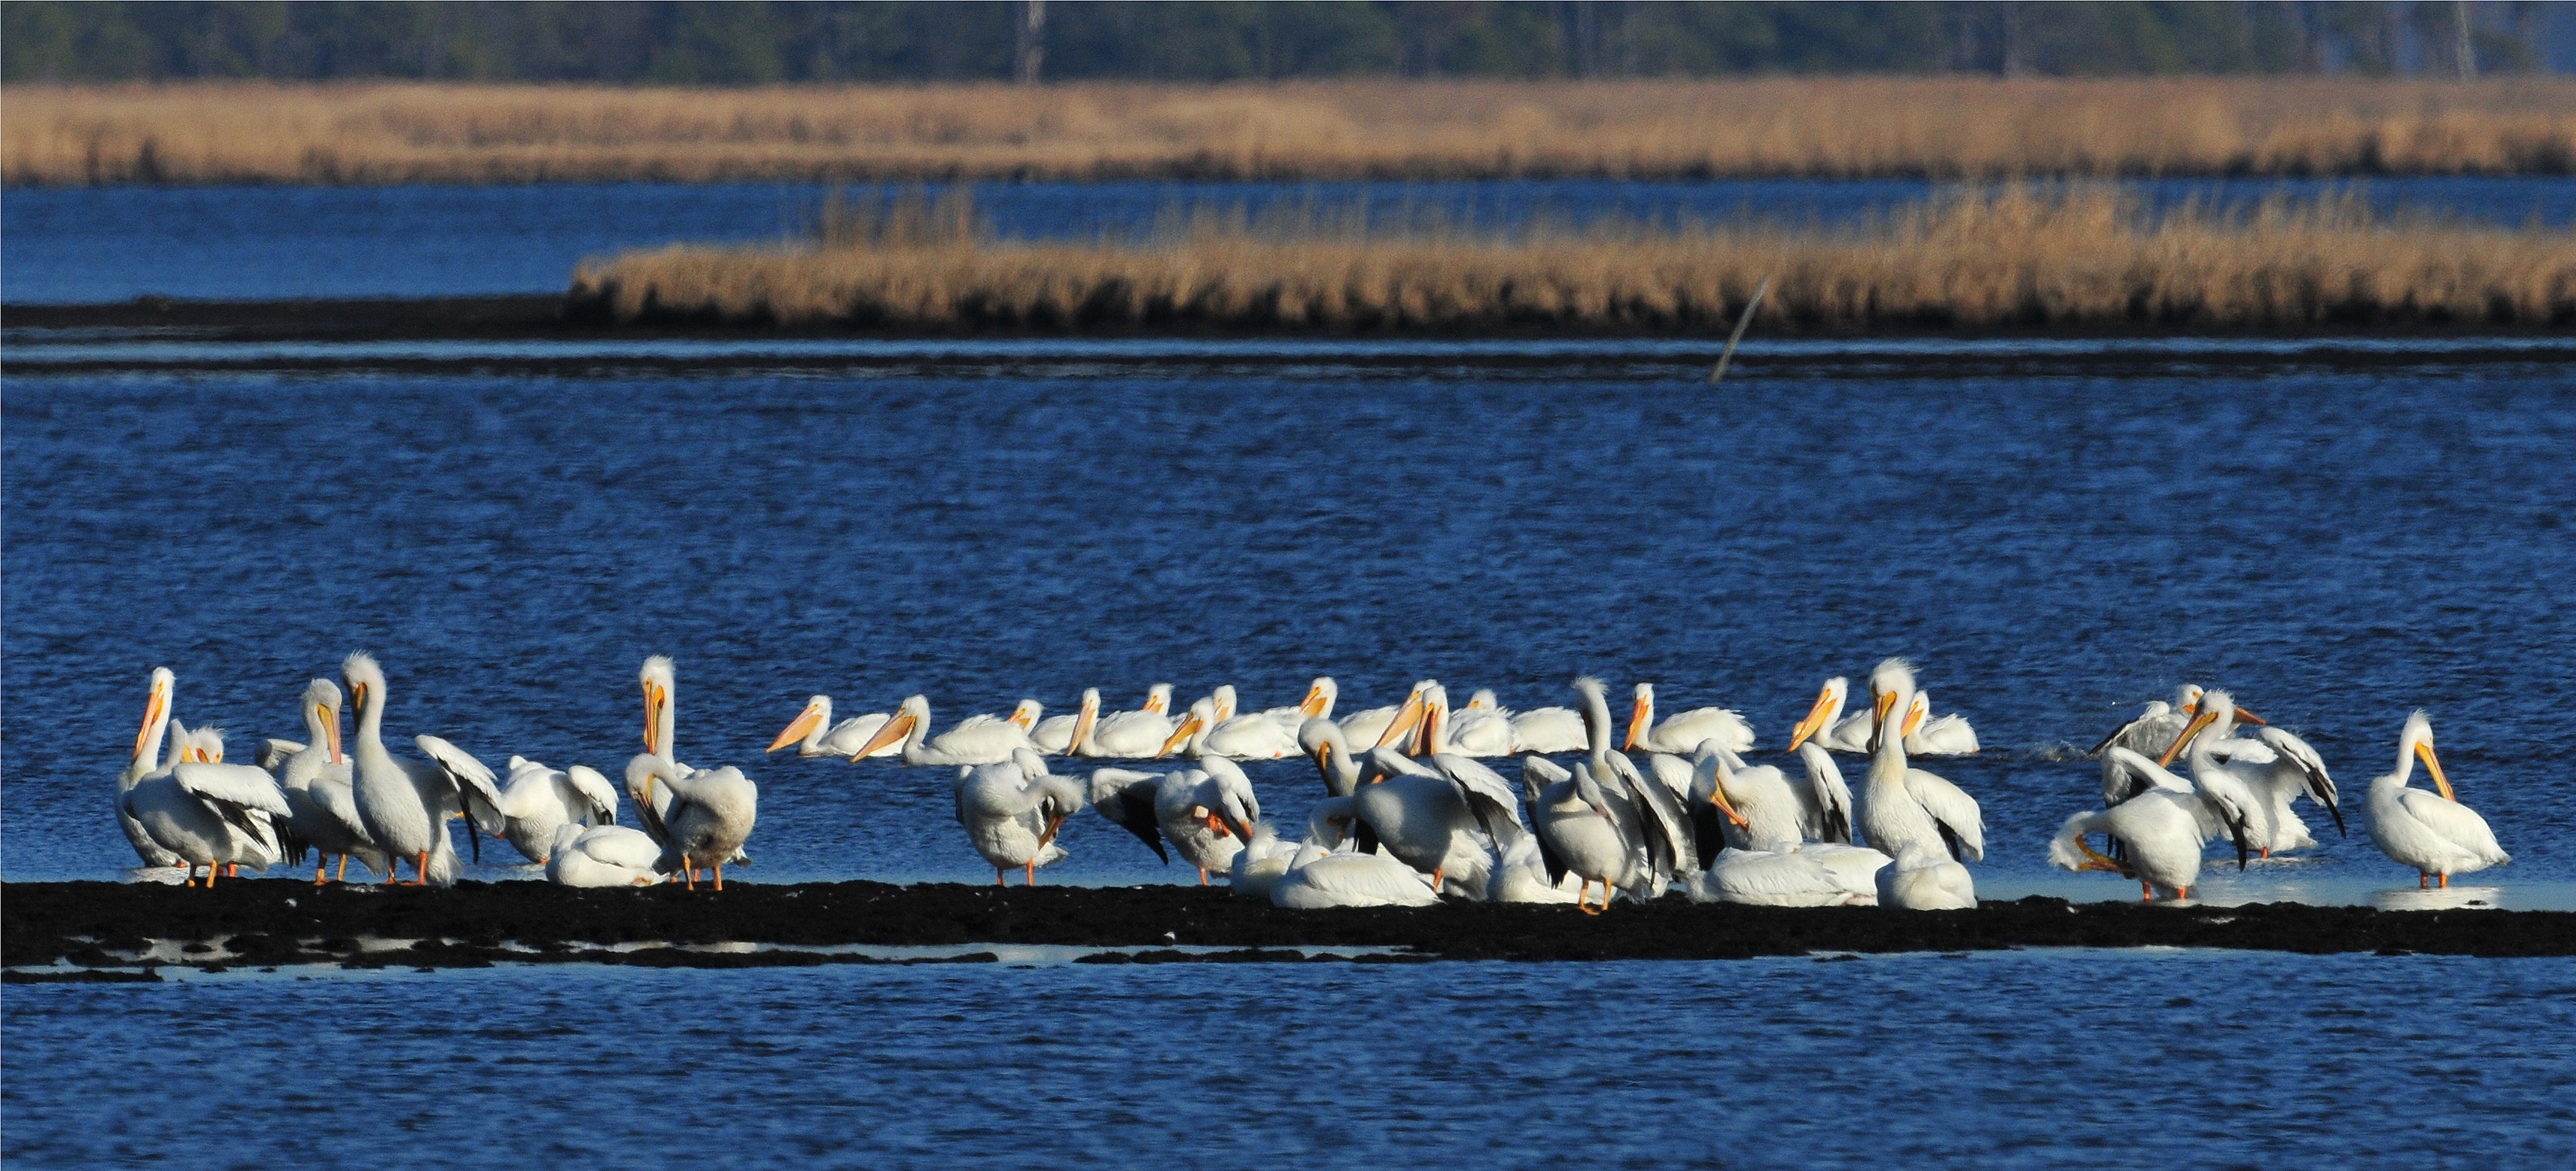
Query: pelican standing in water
{"type": "Point", "coordinates": [814, 734]}
{"type": "Point", "coordinates": [1684, 732]}
{"type": "Point", "coordinates": [2432, 833]}
{"type": "Point", "coordinates": [146, 762]}
{"type": "Point", "coordinates": [975, 740]}
{"type": "Point", "coordinates": [1902, 805]}
{"type": "Point", "coordinates": [319, 782]}
{"type": "Point", "coordinates": [404, 804]}
{"type": "Point", "coordinates": [1013, 810]}
{"type": "Point", "coordinates": [2157, 828]}
{"type": "Point", "coordinates": [705, 821]}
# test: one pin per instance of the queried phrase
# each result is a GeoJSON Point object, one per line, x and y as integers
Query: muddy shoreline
{"type": "Point", "coordinates": [102, 927]}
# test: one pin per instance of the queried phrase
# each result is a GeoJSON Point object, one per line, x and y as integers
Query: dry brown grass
{"type": "Point", "coordinates": [2082, 257]}
{"type": "Point", "coordinates": [405, 133]}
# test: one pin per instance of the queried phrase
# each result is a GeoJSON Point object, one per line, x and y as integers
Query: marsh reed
{"type": "Point", "coordinates": [2018, 256]}
{"type": "Point", "coordinates": [1827, 127]}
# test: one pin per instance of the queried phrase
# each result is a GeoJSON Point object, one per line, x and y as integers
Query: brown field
{"type": "Point", "coordinates": [2079, 257]}
{"type": "Point", "coordinates": [1936, 126]}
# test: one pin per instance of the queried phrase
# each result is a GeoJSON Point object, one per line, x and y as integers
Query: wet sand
{"type": "Point", "coordinates": [103, 926]}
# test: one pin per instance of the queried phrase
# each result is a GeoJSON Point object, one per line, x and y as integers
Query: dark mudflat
{"type": "Point", "coordinates": [276, 921]}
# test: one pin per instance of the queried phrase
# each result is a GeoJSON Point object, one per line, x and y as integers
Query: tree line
{"type": "Point", "coordinates": [753, 43]}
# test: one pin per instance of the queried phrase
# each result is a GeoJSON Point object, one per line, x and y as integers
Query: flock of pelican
{"type": "Point", "coordinates": [1411, 818]}
{"type": "Point", "coordinates": [388, 811]}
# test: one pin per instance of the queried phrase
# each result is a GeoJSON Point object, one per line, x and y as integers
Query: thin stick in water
{"type": "Point", "coordinates": [1738, 335]}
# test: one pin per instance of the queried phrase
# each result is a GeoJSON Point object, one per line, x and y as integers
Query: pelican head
{"type": "Point", "coordinates": [2187, 699]}
{"type": "Point", "coordinates": [366, 683]}
{"type": "Point", "coordinates": [1320, 695]}
{"type": "Point", "coordinates": [816, 717]}
{"type": "Point", "coordinates": [1323, 740]}
{"type": "Point", "coordinates": [1409, 715]}
{"type": "Point", "coordinates": [2415, 743]}
{"type": "Point", "coordinates": [1201, 717]}
{"type": "Point", "coordinates": [322, 716]}
{"type": "Point", "coordinates": [908, 721]}
{"type": "Point", "coordinates": [1026, 714]}
{"type": "Point", "coordinates": [2216, 707]}
{"type": "Point", "coordinates": [1483, 700]}
{"type": "Point", "coordinates": [1237, 810]}
{"type": "Point", "coordinates": [1158, 699]}
{"type": "Point", "coordinates": [156, 711]}
{"type": "Point", "coordinates": [643, 771]}
{"type": "Point", "coordinates": [1891, 684]}
{"type": "Point", "coordinates": [1223, 700]}
{"type": "Point", "coordinates": [1829, 704]}
{"type": "Point", "coordinates": [206, 745]}
{"type": "Point", "coordinates": [658, 679]}
{"type": "Point", "coordinates": [1641, 718]}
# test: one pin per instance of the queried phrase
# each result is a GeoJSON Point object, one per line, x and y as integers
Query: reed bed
{"type": "Point", "coordinates": [1824, 127]}
{"type": "Point", "coordinates": [2015, 257]}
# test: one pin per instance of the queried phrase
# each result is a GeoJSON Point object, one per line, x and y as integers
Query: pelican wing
{"type": "Point", "coordinates": [620, 846]}
{"type": "Point", "coordinates": [1833, 798]}
{"type": "Point", "coordinates": [474, 782]}
{"type": "Point", "coordinates": [2127, 774]}
{"type": "Point", "coordinates": [2121, 733]}
{"type": "Point", "coordinates": [1668, 830]}
{"type": "Point", "coordinates": [1962, 824]}
{"type": "Point", "coordinates": [594, 789]}
{"type": "Point", "coordinates": [2454, 823]}
{"type": "Point", "coordinates": [1126, 797]}
{"type": "Point", "coordinates": [240, 785]}
{"type": "Point", "coordinates": [1676, 773]}
{"type": "Point", "coordinates": [1537, 773]}
{"type": "Point", "coordinates": [273, 753]}
{"type": "Point", "coordinates": [2311, 767]}
{"type": "Point", "coordinates": [1489, 797]}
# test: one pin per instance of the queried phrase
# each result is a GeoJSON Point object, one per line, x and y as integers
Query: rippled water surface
{"type": "Point", "coordinates": [2340, 542]}
{"type": "Point", "coordinates": [2031, 1059]}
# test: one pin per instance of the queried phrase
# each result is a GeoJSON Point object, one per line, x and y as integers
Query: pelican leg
{"type": "Point", "coordinates": [2446, 882]}
{"type": "Point", "coordinates": [2423, 881]}
{"type": "Point", "coordinates": [998, 872]}
{"type": "Point", "coordinates": [344, 868]}
{"type": "Point", "coordinates": [2267, 851]}
{"type": "Point", "coordinates": [2182, 892]}
{"type": "Point", "coordinates": [692, 871]}
{"type": "Point", "coordinates": [211, 868]}
{"type": "Point", "coordinates": [1203, 876]}
{"type": "Point", "coordinates": [232, 869]}
{"type": "Point", "coordinates": [321, 866]}
{"type": "Point", "coordinates": [719, 875]}
{"type": "Point", "coordinates": [420, 868]}
{"type": "Point", "coordinates": [1437, 873]}
{"type": "Point", "coordinates": [1033, 872]}
{"type": "Point", "coordinates": [2147, 891]}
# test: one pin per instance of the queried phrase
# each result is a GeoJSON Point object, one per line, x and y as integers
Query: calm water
{"type": "Point", "coordinates": [265, 242]}
{"type": "Point", "coordinates": [2338, 543]}
{"type": "Point", "coordinates": [2034, 1059]}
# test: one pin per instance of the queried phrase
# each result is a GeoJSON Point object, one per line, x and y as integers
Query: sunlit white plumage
{"type": "Point", "coordinates": [1901, 805]}
{"type": "Point", "coordinates": [1013, 810]}
{"type": "Point", "coordinates": [709, 815]}
{"type": "Point", "coordinates": [602, 856]}
{"type": "Point", "coordinates": [319, 782]}
{"type": "Point", "coordinates": [1683, 732]}
{"type": "Point", "coordinates": [975, 740]}
{"type": "Point", "coordinates": [2429, 832]}
{"type": "Point", "coordinates": [1319, 879]}
{"type": "Point", "coordinates": [1924, 878]}
{"type": "Point", "coordinates": [537, 800]}
{"type": "Point", "coordinates": [405, 804]}
{"type": "Point", "coordinates": [145, 762]}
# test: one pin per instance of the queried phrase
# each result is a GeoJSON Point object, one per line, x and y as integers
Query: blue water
{"type": "Point", "coordinates": [2031, 1059]}
{"type": "Point", "coordinates": [2339, 544]}
{"type": "Point", "coordinates": [79, 245]}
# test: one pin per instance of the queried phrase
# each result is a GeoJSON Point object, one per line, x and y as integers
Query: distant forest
{"type": "Point", "coordinates": [737, 44]}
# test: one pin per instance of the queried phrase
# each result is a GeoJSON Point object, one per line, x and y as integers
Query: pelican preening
{"type": "Point", "coordinates": [1013, 810]}
{"type": "Point", "coordinates": [2268, 773]}
{"type": "Point", "coordinates": [1205, 813]}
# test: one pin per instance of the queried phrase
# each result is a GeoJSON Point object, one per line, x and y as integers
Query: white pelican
{"type": "Point", "coordinates": [1684, 732]}
{"type": "Point", "coordinates": [1923, 878]}
{"type": "Point", "coordinates": [814, 734]}
{"type": "Point", "coordinates": [1013, 810]}
{"type": "Point", "coordinates": [1206, 813]}
{"type": "Point", "coordinates": [1261, 863]}
{"type": "Point", "coordinates": [210, 815]}
{"type": "Point", "coordinates": [1800, 877]}
{"type": "Point", "coordinates": [1824, 723]}
{"type": "Point", "coordinates": [537, 800]}
{"type": "Point", "coordinates": [1934, 735]}
{"type": "Point", "coordinates": [703, 825]}
{"type": "Point", "coordinates": [404, 804]}
{"type": "Point", "coordinates": [1319, 879]}
{"type": "Point", "coordinates": [2431, 832]}
{"type": "Point", "coordinates": [1212, 729]}
{"type": "Point", "coordinates": [2276, 769]}
{"type": "Point", "coordinates": [2159, 843]}
{"type": "Point", "coordinates": [1059, 735]}
{"type": "Point", "coordinates": [1369, 727]}
{"type": "Point", "coordinates": [1902, 805]}
{"type": "Point", "coordinates": [321, 800]}
{"type": "Point", "coordinates": [1431, 818]}
{"type": "Point", "coordinates": [1547, 729]}
{"type": "Point", "coordinates": [1763, 855]}
{"type": "Point", "coordinates": [2157, 726]}
{"type": "Point", "coordinates": [1324, 741]}
{"type": "Point", "coordinates": [1603, 820]}
{"type": "Point", "coordinates": [1522, 877]}
{"type": "Point", "coordinates": [1762, 810]}
{"type": "Point", "coordinates": [608, 855]}
{"type": "Point", "coordinates": [146, 762]}
{"type": "Point", "coordinates": [1482, 729]}
{"type": "Point", "coordinates": [661, 734]}
{"type": "Point", "coordinates": [975, 740]}
{"type": "Point", "coordinates": [1317, 704]}
{"type": "Point", "coordinates": [1136, 735]}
